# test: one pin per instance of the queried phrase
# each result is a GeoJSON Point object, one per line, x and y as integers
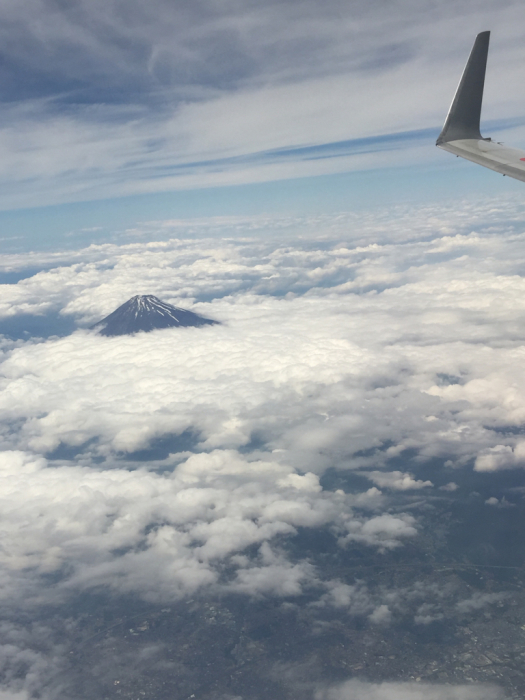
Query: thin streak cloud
{"type": "Point", "coordinates": [102, 102]}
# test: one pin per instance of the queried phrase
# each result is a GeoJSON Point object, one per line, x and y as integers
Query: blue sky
{"type": "Point", "coordinates": [115, 113]}
{"type": "Point", "coordinates": [77, 224]}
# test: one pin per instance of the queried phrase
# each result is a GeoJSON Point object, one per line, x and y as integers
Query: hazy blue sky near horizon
{"type": "Point", "coordinates": [118, 112]}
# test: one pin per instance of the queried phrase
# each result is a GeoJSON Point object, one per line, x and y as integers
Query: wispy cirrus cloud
{"type": "Point", "coordinates": [113, 100]}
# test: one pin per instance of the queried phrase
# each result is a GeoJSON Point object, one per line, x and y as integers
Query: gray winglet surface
{"type": "Point", "coordinates": [461, 135]}
{"type": "Point", "coordinates": [463, 118]}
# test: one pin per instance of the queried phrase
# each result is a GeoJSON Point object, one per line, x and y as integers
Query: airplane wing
{"type": "Point", "coordinates": [461, 135]}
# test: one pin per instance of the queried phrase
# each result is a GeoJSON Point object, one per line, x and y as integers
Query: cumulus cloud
{"type": "Point", "coordinates": [499, 503]}
{"type": "Point", "coordinates": [501, 457]}
{"type": "Point", "coordinates": [427, 613]}
{"type": "Point", "coordinates": [384, 531]}
{"type": "Point", "coordinates": [381, 615]}
{"type": "Point", "coordinates": [354, 598]}
{"type": "Point", "coordinates": [274, 576]}
{"type": "Point", "coordinates": [480, 600]}
{"type": "Point", "coordinates": [398, 481]}
{"type": "Point", "coordinates": [358, 690]}
{"type": "Point", "coordinates": [451, 486]}
{"type": "Point", "coordinates": [31, 658]}
{"type": "Point", "coordinates": [162, 536]}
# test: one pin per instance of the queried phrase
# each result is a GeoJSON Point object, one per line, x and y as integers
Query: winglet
{"type": "Point", "coordinates": [462, 121]}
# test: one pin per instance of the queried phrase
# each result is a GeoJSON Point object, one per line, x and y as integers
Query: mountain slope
{"type": "Point", "coordinates": [147, 313]}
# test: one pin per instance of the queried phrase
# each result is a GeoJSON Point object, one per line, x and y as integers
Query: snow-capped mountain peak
{"type": "Point", "coordinates": [146, 312]}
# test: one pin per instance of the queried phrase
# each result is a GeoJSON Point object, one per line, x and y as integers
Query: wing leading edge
{"type": "Point", "coordinates": [461, 133]}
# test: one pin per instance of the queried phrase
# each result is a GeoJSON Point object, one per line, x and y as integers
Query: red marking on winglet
{"type": "Point", "coordinates": [522, 158]}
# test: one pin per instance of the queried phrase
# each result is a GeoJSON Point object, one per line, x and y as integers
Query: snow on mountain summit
{"type": "Point", "coordinates": [145, 312]}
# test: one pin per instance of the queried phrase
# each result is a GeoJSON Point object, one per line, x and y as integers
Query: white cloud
{"type": "Point", "coordinates": [358, 690]}
{"type": "Point", "coordinates": [384, 531]}
{"type": "Point", "coordinates": [354, 598]}
{"type": "Point", "coordinates": [499, 503]}
{"type": "Point", "coordinates": [427, 613]}
{"type": "Point", "coordinates": [480, 600]}
{"type": "Point", "coordinates": [31, 657]}
{"type": "Point", "coordinates": [501, 457]}
{"type": "Point", "coordinates": [274, 576]}
{"type": "Point", "coordinates": [398, 481]}
{"type": "Point", "coordinates": [381, 616]}
{"type": "Point", "coordinates": [160, 536]}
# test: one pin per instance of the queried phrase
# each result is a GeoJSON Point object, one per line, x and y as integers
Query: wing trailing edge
{"type": "Point", "coordinates": [461, 132]}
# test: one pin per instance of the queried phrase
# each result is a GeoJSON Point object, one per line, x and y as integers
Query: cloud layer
{"type": "Point", "coordinates": [365, 375]}
{"type": "Point", "coordinates": [356, 349]}
{"type": "Point", "coordinates": [355, 690]}
{"type": "Point", "coordinates": [340, 355]}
